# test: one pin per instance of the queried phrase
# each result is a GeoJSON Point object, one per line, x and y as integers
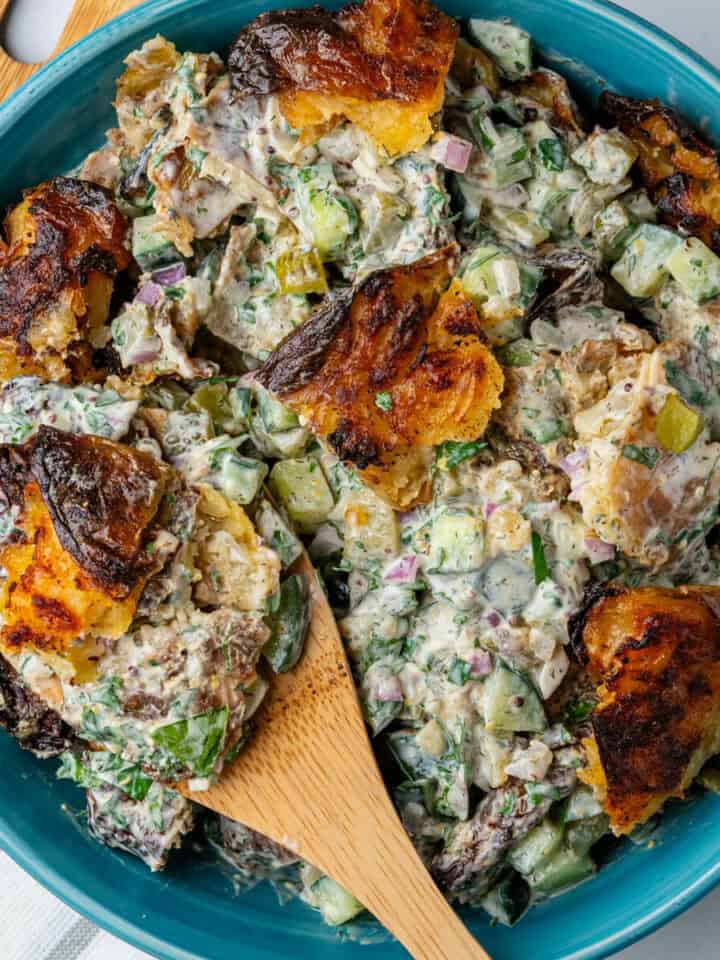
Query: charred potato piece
{"type": "Point", "coordinates": [681, 170]}
{"type": "Point", "coordinates": [65, 243]}
{"type": "Point", "coordinates": [390, 369]}
{"type": "Point", "coordinates": [30, 721]}
{"type": "Point", "coordinates": [381, 64]}
{"type": "Point", "coordinates": [86, 512]}
{"type": "Point", "coordinates": [655, 655]}
{"type": "Point", "coordinates": [551, 91]}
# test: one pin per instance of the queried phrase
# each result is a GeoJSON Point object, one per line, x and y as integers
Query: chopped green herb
{"type": "Point", "coordinates": [384, 401]}
{"type": "Point", "coordinates": [459, 672]}
{"type": "Point", "coordinates": [454, 452]}
{"type": "Point", "coordinates": [647, 456]}
{"type": "Point", "coordinates": [539, 562]}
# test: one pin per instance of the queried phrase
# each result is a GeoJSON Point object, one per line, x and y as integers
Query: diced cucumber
{"type": "Point", "coordinates": [563, 870]}
{"type": "Point", "coordinates": [275, 415]}
{"type": "Point", "coordinates": [491, 272]}
{"type": "Point", "coordinates": [511, 703]}
{"type": "Point", "coordinates": [457, 542]}
{"type": "Point", "coordinates": [582, 834]}
{"type": "Point", "coordinates": [696, 268]}
{"type": "Point", "coordinates": [166, 394]}
{"type": "Point", "coordinates": [551, 205]}
{"type": "Point", "coordinates": [518, 353]}
{"type": "Point", "coordinates": [469, 197]}
{"type": "Point", "coordinates": [587, 201]}
{"type": "Point", "coordinates": [582, 804]}
{"type": "Point", "coordinates": [239, 478]}
{"type": "Point", "coordinates": [372, 531]}
{"type": "Point", "coordinates": [286, 444]}
{"type": "Point", "coordinates": [301, 488]}
{"type": "Point", "coordinates": [612, 228]}
{"type": "Point", "coordinates": [536, 847]}
{"type": "Point", "coordinates": [509, 45]}
{"type": "Point", "coordinates": [640, 206]}
{"type": "Point", "coordinates": [642, 268]}
{"type": "Point", "coordinates": [288, 619]}
{"type": "Point", "coordinates": [415, 763]}
{"type": "Point", "coordinates": [276, 533]}
{"type": "Point", "coordinates": [240, 400]}
{"type": "Point", "coordinates": [152, 244]}
{"type": "Point", "coordinates": [606, 156]}
{"type": "Point", "coordinates": [505, 148]}
{"type": "Point", "coordinates": [508, 901]}
{"type": "Point", "coordinates": [328, 213]}
{"type": "Point", "coordinates": [334, 902]}
{"type": "Point", "coordinates": [519, 225]}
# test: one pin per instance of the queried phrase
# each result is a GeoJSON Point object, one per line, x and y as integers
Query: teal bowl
{"type": "Point", "coordinates": [191, 912]}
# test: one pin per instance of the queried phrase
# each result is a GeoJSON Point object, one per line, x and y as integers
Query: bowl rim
{"type": "Point", "coordinates": [13, 108]}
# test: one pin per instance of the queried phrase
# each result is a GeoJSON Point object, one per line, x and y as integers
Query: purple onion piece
{"type": "Point", "coordinates": [452, 152]}
{"type": "Point", "coordinates": [167, 276]}
{"type": "Point", "coordinates": [599, 551]}
{"type": "Point", "coordinates": [573, 461]}
{"type": "Point", "coordinates": [387, 689]}
{"type": "Point", "coordinates": [144, 351]}
{"type": "Point", "coordinates": [493, 618]}
{"type": "Point", "coordinates": [480, 663]}
{"type": "Point", "coordinates": [403, 570]}
{"type": "Point", "coordinates": [490, 509]}
{"type": "Point", "coordinates": [149, 294]}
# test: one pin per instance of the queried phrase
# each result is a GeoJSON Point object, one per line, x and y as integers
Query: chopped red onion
{"type": "Point", "coordinates": [599, 551]}
{"type": "Point", "coordinates": [480, 663]}
{"type": "Point", "coordinates": [573, 461]}
{"type": "Point", "coordinates": [149, 294]}
{"type": "Point", "coordinates": [146, 350]}
{"type": "Point", "coordinates": [387, 689]}
{"type": "Point", "coordinates": [494, 618]}
{"type": "Point", "coordinates": [403, 570]}
{"type": "Point", "coordinates": [167, 276]}
{"type": "Point", "coordinates": [452, 152]}
{"type": "Point", "coordinates": [490, 509]}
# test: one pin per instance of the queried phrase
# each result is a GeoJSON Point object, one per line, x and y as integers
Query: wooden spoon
{"type": "Point", "coordinates": [308, 779]}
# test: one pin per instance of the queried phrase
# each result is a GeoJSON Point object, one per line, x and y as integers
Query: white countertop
{"type": "Point", "coordinates": [33, 27]}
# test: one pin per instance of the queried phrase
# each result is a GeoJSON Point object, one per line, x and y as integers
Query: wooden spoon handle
{"type": "Point", "coordinates": [85, 16]}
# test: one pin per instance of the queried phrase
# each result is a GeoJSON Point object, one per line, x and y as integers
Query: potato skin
{"type": "Point", "coordinates": [380, 63]}
{"type": "Point", "coordinates": [65, 243]}
{"type": "Point", "coordinates": [87, 509]}
{"type": "Point", "coordinates": [405, 335]}
{"type": "Point", "coordinates": [680, 170]}
{"type": "Point", "coordinates": [655, 654]}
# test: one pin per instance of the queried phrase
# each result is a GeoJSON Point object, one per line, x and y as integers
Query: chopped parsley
{"type": "Point", "coordinates": [384, 401]}
{"type": "Point", "coordinates": [647, 456]}
{"type": "Point", "coordinates": [539, 562]}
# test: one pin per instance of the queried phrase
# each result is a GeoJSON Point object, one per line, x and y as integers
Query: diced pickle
{"type": "Point", "coordinates": [213, 398]}
{"type": "Point", "coordinates": [696, 268]}
{"type": "Point", "coordinates": [677, 426]}
{"type": "Point", "coordinates": [565, 869]}
{"type": "Point", "coordinates": [275, 415]}
{"type": "Point", "coordinates": [239, 478]}
{"type": "Point", "coordinates": [276, 533]}
{"type": "Point", "coordinates": [302, 489]}
{"type": "Point", "coordinates": [536, 847]}
{"type": "Point", "coordinates": [301, 271]}
{"type": "Point", "coordinates": [509, 45]}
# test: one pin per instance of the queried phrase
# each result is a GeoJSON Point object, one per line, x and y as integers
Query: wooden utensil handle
{"type": "Point", "coordinates": [85, 16]}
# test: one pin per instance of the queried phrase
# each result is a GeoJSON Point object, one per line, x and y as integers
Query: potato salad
{"type": "Point", "coordinates": [371, 287]}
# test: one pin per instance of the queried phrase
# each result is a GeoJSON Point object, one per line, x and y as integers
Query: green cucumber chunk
{"type": "Point", "coordinates": [334, 902]}
{"type": "Point", "coordinates": [301, 488]}
{"type": "Point", "coordinates": [152, 245]}
{"type": "Point", "coordinates": [512, 703]}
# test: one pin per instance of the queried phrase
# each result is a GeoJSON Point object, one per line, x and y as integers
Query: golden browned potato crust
{"type": "Point", "coordinates": [552, 91]}
{"type": "Point", "coordinates": [389, 370]}
{"type": "Point", "coordinates": [65, 243]}
{"type": "Point", "coordinates": [380, 64]}
{"type": "Point", "coordinates": [86, 509]}
{"type": "Point", "coordinates": [655, 654]}
{"type": "Point", "coordinates": [680, 170]}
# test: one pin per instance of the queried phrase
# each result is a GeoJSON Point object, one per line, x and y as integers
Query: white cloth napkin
{"type": "Point", "coordinates": [34, 925]}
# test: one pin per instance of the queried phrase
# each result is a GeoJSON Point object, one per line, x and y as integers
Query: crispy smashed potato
{"type": "Point", "coordinates": [681, 171]}
{"type": "Point", "coordinates": [655, 654]}
{"type": "Point", "coordinates": [238, 569]}
{"type": "Point", "coordinates": [65, 243]}
{"type": "Point", "coordinates": [86, 509]}
{"type": "Point", "coordinates": [381, 64]}
{"type": "Point", "coordinates": [390, 369]}
{"type": "Point", "coordinates": [551, 90]}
